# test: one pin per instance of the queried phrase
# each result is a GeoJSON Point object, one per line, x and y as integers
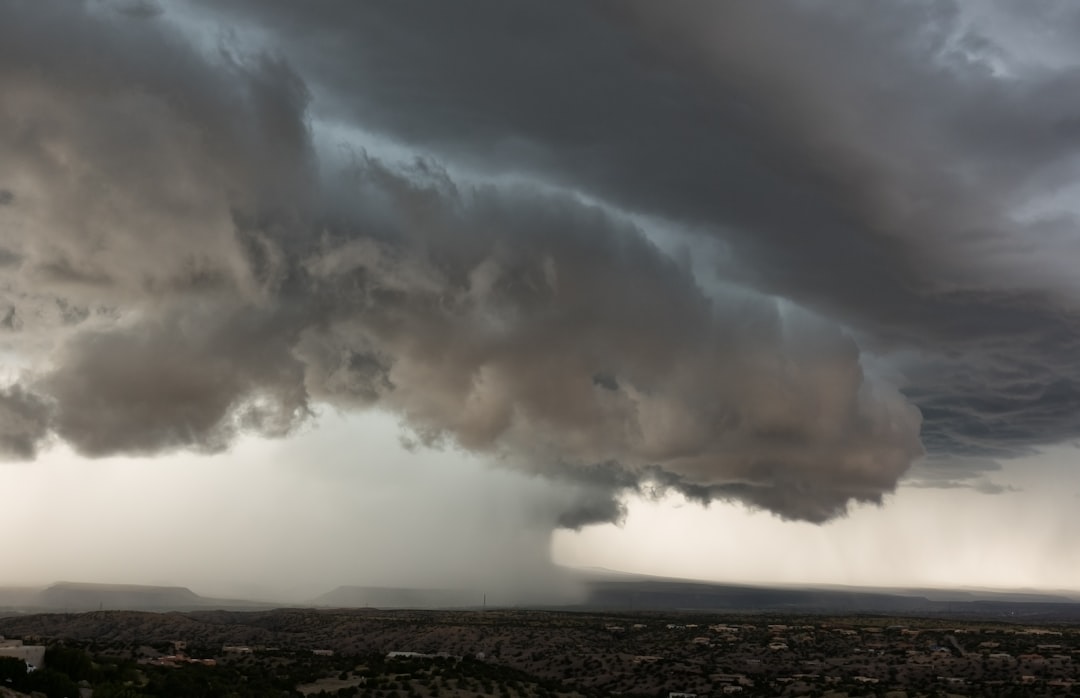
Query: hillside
{"type": "Point", "coordinates": [393, 597]}
{"type": "Point", "coordinates": [553, 654]}
{"type": "Point", "coordinates": [628, 593]}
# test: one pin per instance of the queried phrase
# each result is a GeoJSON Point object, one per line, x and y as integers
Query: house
{"type": "Point", "coordinates": [237, 649]}
{"type": "Point", "coordinates": [32, 655]}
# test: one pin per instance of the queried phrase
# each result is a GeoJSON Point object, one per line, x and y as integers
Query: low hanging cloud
{"type": "Point", "coordinates": [531, 328]}
{"type": "Point", "coordinates": [23, 422]}
{"type": "Point", "coordinates": [185, 258]}
{"type": "Point", "coordinates": [544, 331]}
{"type": "Point", "coordinates": [181, 379]}
{"type": "Point", "coordinates": [958, 472]}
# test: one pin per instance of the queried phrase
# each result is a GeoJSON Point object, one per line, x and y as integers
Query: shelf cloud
{"type": "Point", "coordinates": [773, 254]}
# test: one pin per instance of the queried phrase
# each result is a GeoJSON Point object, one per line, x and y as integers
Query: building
{"type": "Point", "coordinates": [32, 655]}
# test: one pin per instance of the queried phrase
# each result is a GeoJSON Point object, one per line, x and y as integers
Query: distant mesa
{"type": "Point", "coordinates": [85, 597]}
{"type": "Point", "coordinates": [613, 591]}
{"type": "Point", "coordinates": [73, 596]}
{"type": "Point", "coordinates": [603, 590]}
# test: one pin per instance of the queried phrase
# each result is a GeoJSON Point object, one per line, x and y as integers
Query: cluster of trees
{"type": "Point", "coordinates": [68, 668]}
{"type": "Point", "coordinates": [273, 675]}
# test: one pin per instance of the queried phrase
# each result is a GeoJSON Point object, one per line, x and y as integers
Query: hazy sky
{"type": "Point", "coordinates": [299, 294]}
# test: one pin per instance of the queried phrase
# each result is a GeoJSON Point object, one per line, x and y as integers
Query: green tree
{"type": "Point", "coordinates": [12, 672]}
{"type": "Point", "coordinates": [115, 690]}
{"type": "Point", "coordinates": [52, 683]}
{"type": "Point", "coordinates": [71, 661]}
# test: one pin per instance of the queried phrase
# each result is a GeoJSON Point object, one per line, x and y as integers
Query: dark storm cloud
{"type": "Point", "coordinates": [196, 267]}
{"type": "Point", "coordinates": [642, 113]}
{"type": "Point", "coordinates": [133, 154]}
{"type": "Point", "coordinates": [872, 162]}
{"type": "Point", "coordinates": [486, 318]}
{"type": "Point", "coordinates": [142, 9]}
{"type": "Point", "coordinates": [957, 472]}
{"type": "Point", "coordinates": [183, 378]}
{"type": "Point", "coordinates": [766, 119]}
{"type": "Point", "coordinates": [981, 485]}
{"type": "Point", "coordinates": [480, 314]}
{"type": "Point", "coordinates": [24, 423]}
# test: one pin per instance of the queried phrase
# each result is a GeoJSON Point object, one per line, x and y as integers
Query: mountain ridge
{"type": "Point", "coordinates": [93, 596]}
{"type": "Point", "coordinates": [603, 590]}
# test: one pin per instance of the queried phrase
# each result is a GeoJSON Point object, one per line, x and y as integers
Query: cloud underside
{"type": "Point", "coordinates": [186, 255]}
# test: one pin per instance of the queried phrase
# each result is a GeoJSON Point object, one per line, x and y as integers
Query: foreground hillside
{"type": "Point", "coordinates": [536, 654]}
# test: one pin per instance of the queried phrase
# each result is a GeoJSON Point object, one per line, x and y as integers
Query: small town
{"type": "Point", "coordinates": [531, 654]}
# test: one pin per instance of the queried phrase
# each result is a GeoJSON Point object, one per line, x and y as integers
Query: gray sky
{"type": "Point", "coordinates": [394, 292]}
